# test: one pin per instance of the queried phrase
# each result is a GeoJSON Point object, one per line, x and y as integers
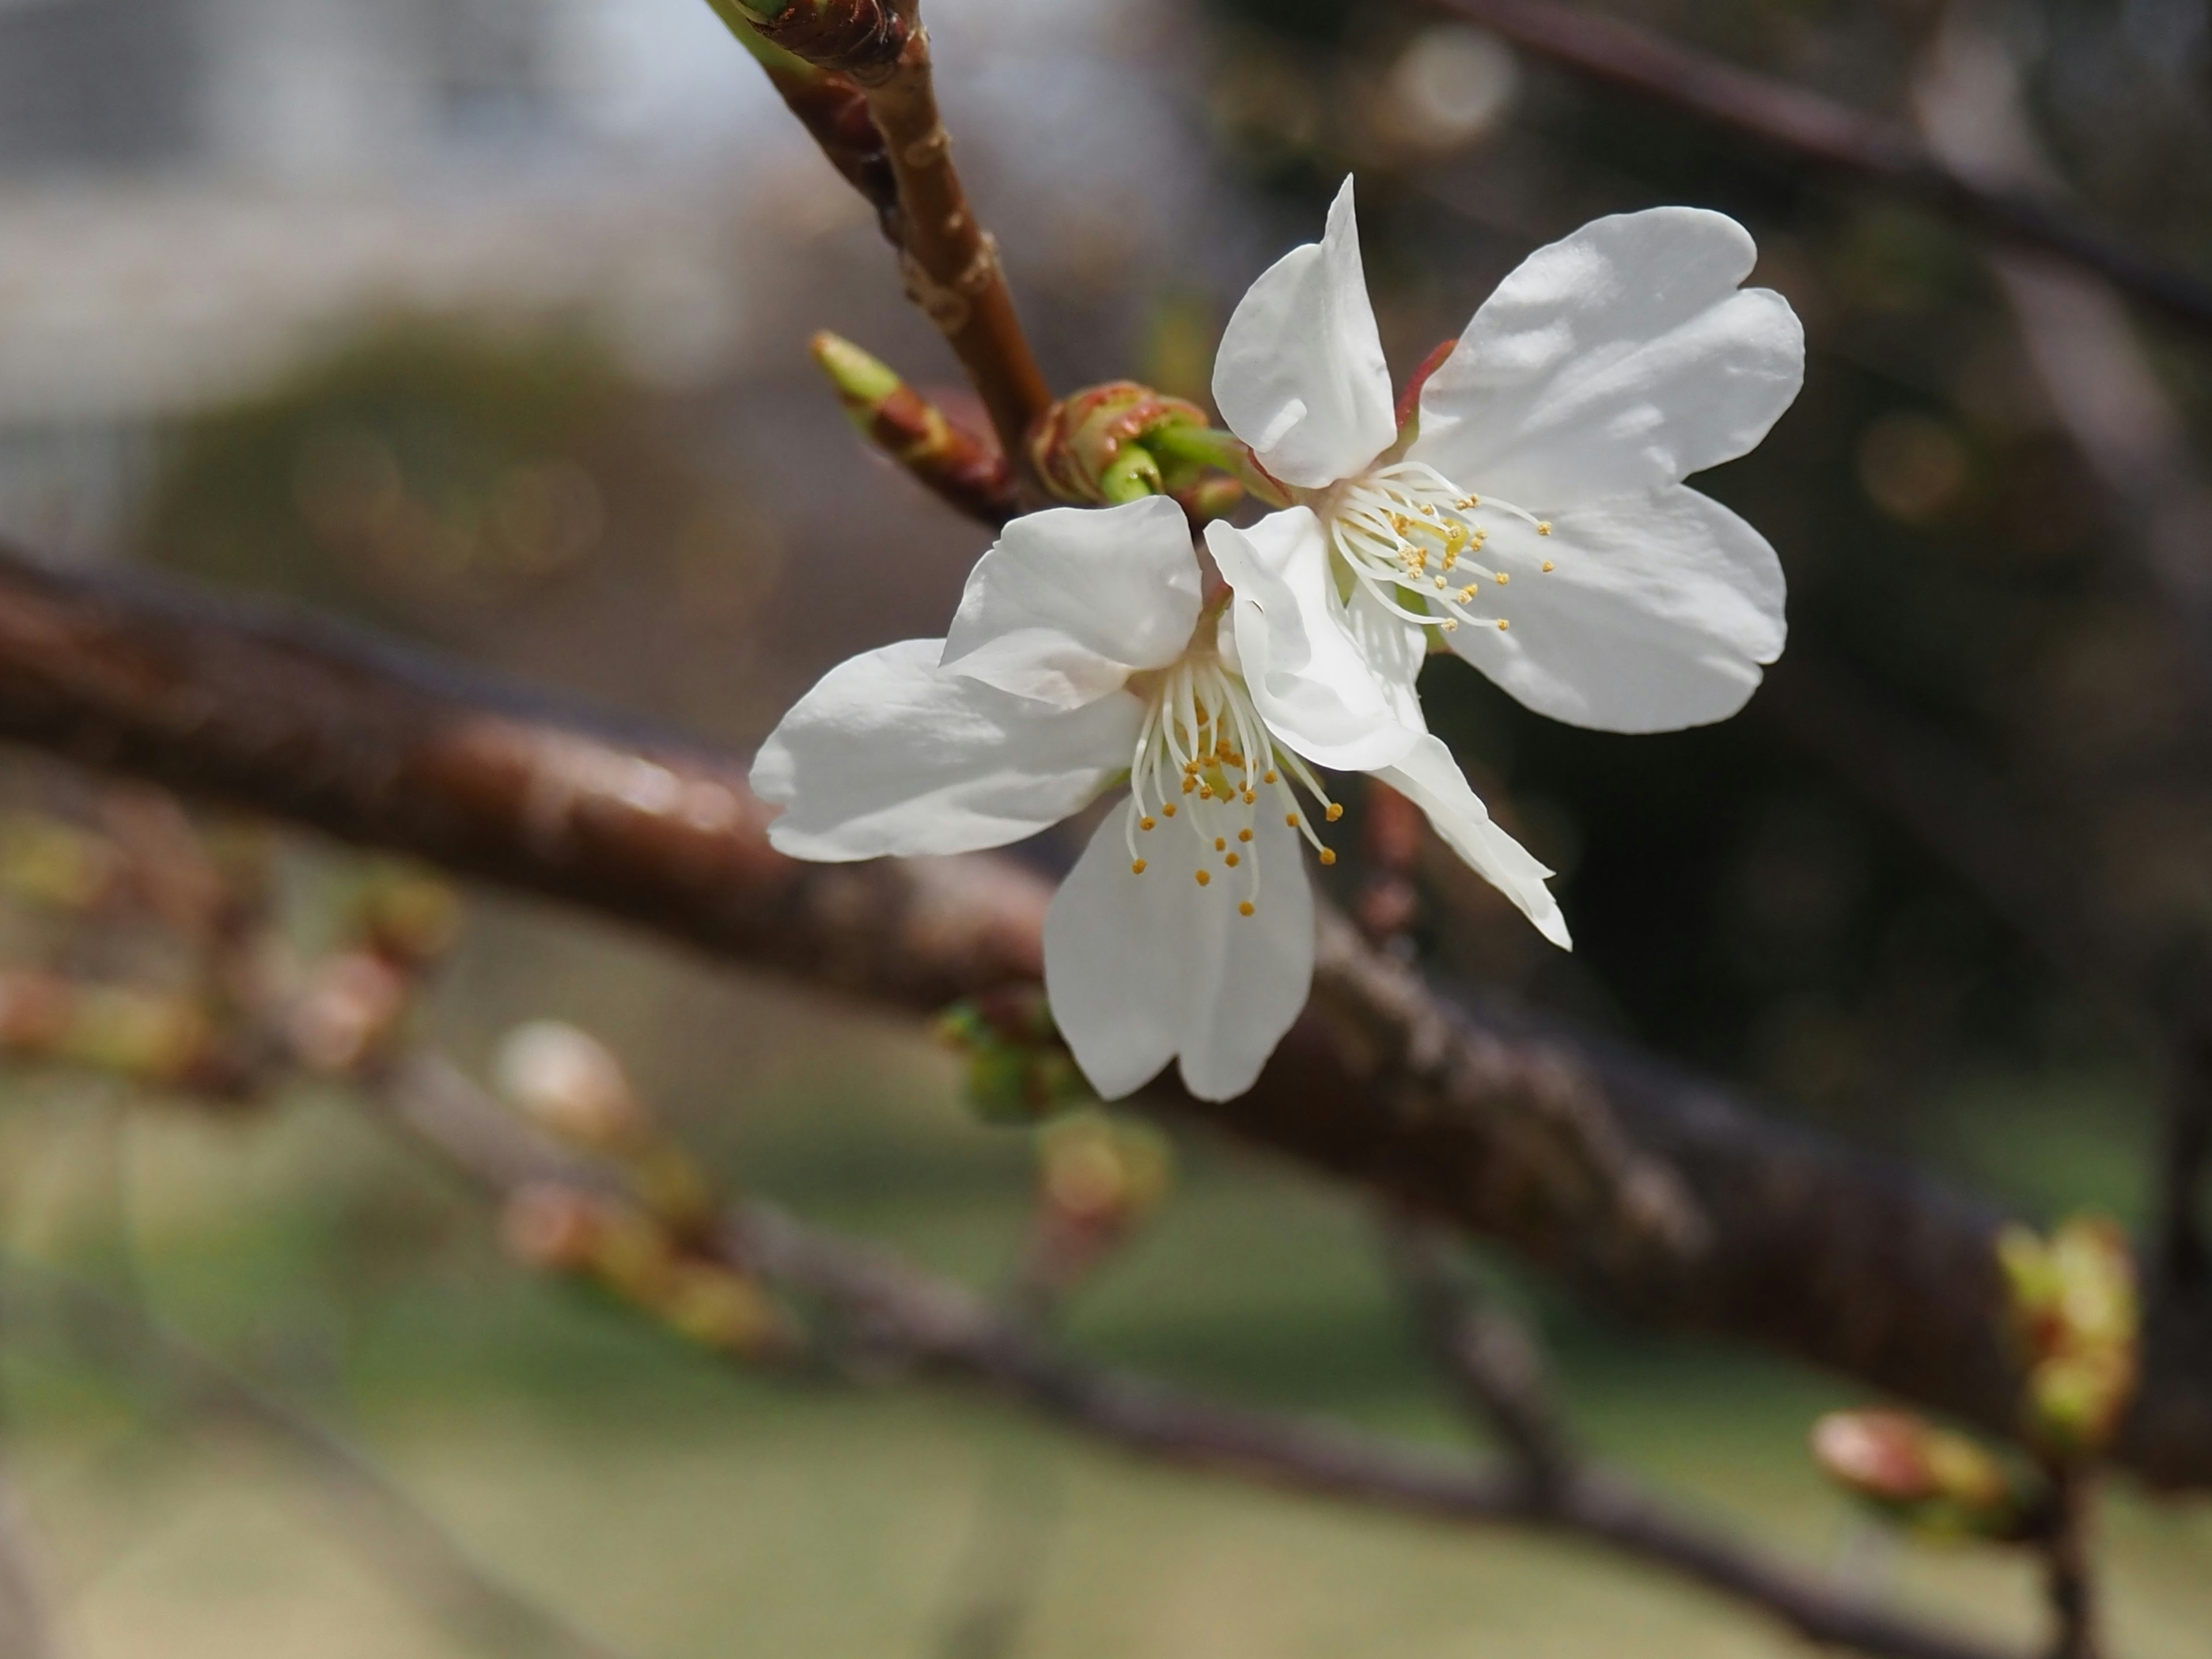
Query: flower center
{"type": "Point", "coordinates": [1406, 529]}
{"type": "Point", "coordinates": [1206, 760]}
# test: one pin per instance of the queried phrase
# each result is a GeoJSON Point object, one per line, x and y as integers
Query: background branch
{"type": "Point", "coordinates": [1833, 137]}
{"type": "Point", "coordinates": [1659, 1195]}
{"type": "Point", "coordinates": [900, 1316]}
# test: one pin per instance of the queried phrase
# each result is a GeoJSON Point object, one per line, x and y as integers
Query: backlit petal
{"type": "Point", "coordinates": [1141, 968]}
{"type": "Point", "coordinates": [1070, 601]}
{"type": "Point", "coordinates": [1431, 779]}
{"type": "Point", "coordinates": [1657, 614]}
{"type": "Point", "coordinates": [1300, 376]}
{"type": "Point", "coordinates": [1309, 678]}
{"type": "Point", "coordinates": [1621, 358]}
{"type": "Point", "coordinates": [888, 755]}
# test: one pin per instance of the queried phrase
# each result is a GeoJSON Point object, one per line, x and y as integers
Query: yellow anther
{"type": "Point", "coordinates": [1451, 625]}
{"type": "Point", "coordinates": [1335, 812]}
{"type": "Point", "coordinates": [1251, 795]}
{"type": "Point", "coordinates": [1189, 784]}
{"type": "Point", "coordinates": [1543, 526]}
{"type": "Point", "coordinates": [1503, 626]}
{"type": "Point", "coordinates": [1144, 823]}
{"type": "Point", "coordinates": [1231, 861]}
{"type": "Point", "coordinates": [1503, 577]}
{"type": "Point", "coordinates": [1290, 818]}
{"type": "Point", "coordinates": [1246, 907]}
{"type": "Point", "coordinates": [1328, 855]}
{"type": "Point", "coordinates": [1169, 810]}
{"type": "Point", "coordinates": [1205, 877]}
{"type": "Point", "coordinates": [1441, 584]}
{"type": "Point", "coordinates": [1137, 868]}
{"type": "Point", "coordinates": [1270, 778]}
{"type": "Point", "coordinates": [1243, 835]}
{"type": "Point", "coordinates": [1465, 502]}
{"type": "Point", "coordinates": [1428, 509]}
{"type": "Point", "coordinates": [1549, 566]}
{"type": "Point", "coordinates": [1206, 792]}
{"type": "Point", "coordinates": [1219, 844]}
{"type": "Point", "coordinates": [1467, 594]}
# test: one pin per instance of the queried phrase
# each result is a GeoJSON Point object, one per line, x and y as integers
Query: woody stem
{"type": "Point", "coordinates": [951, 263]}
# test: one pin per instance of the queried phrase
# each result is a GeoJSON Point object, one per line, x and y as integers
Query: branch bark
{"type": "Point", "coordinates": [1830, 136]}
{"type": "Point", "coordinates": [1656, 1194]}
{"type": "Point", "coordinates": [906, 1317]}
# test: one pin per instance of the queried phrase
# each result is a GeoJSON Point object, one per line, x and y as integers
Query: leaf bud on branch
{"type": "Point", "coordinates": [2078, 1324]}
{"type": "Point", "coordinates": [862, 37]}
{"type": "Point", "coordinates": [964, 468]}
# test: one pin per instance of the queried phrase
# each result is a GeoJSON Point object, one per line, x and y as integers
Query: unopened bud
{"type": "Point", "coordinates": [1102, 1174]}
{"type": "Point", "coordinates": [2076, 1318]}
{"type": "Point", "coordinates": [349, 1014]}
{"type": "Point", "coordinates": [553, 1229]}
{"type": "Point", "coordinates": [964, 468]}
{"type": "Point", "coordinates": [410, 918]}
{"type": "Point", "coordinates": [1930, 1478]}
{"type": "Point", "coordinates": [864, 37]}
{"type": "Point", "coordinates": [1100, 445]}
{"type": "Point", "coordinates": [717, 1308]}
{"type": "Point", "coordinates": [54, 864]}
{"type": "Point", "coordinates": [570, 1083]}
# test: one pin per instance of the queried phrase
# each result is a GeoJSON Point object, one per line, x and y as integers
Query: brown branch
{"type": "Point", "coordinates": [1833, 137]}
{"type": "Point", "coordinates": [950, 262]}
{"type": "Point", "coordinates": [412, 1545]}
{"type": "Point", "coordinates": [1656, 1194]}
{"type": "Point", "coordinates": [905, 1317]}
{"type": "Point", "coordinates": [856, 74]}
{"type": "Point", "coordinates": [1490, 1359]}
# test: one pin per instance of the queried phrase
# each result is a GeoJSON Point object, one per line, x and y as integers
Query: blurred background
{"type": "Point", "coordinates": [485, 322]}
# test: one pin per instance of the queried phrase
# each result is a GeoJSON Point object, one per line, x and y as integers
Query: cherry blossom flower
{"type": "Point", "coordinates": [1533, 510]}
{"type": "Point", "coordinates": [1085, 654]}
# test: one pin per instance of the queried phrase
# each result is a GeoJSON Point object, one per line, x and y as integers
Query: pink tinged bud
{"type": "Point", "coordinates": [350, 1013]}
{"type": "Point", "coordinates": [569, 1083]}
{"type": "Point", "coordinates": [1933, 1479]}
{"type": "Point", "coordinates": [553, 1229]}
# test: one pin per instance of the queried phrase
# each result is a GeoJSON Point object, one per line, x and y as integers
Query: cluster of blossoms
{"type": "Point", "coordinates": [1530, 510]}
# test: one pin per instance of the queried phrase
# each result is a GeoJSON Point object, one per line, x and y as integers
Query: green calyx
{"type": "Point", "coordinates": [1122, 441]}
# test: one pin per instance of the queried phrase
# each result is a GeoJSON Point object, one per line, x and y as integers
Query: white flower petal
{"type": "Point", "coordinates": [1069, 601]}
{"type": "Point", "coordinates": [1114, 957]}
{"type": "Point", "coordinates": [1622, 358]}
{"type": "Point", "coordinates": [1394, 649]}
{"type": "Point", "coordinates": [1300, 376]}
{"type": "Point", "coordinates": [1307, 674]}
{"type": "Point", "coordinates": [889, 756]}
{"type": "Point", "coordinates": [1248, 977]}
{"type": "Point", "coordinates": [1431, 779]}
{"type": "Point", "coordinates": [1658, 613]}
{"type": "Point", "coordinates": [1141, 968]}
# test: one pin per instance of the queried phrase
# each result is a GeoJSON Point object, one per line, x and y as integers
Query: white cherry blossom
{"type": "Point", "coordinates": [1085, 653]}
{"type": "Point", "coordinates": [1534, 511]}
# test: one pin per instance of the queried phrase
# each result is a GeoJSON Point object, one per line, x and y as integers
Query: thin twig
{"type": "Point", "coordinates": [901, 1316]}
{"type": "Point", "coordinates": [416, 1550]}
{"type": "Point", "coordinates": [1810, 128]}
{"type": "Point", "coordinates": [1492, 1360]}
{"type": "Point", "coordinates": [2069, 1565]}
{"type": "Point", "coordinates": [950, 262]}
{"type": "Point", "coordinates": [1453, 1111]}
